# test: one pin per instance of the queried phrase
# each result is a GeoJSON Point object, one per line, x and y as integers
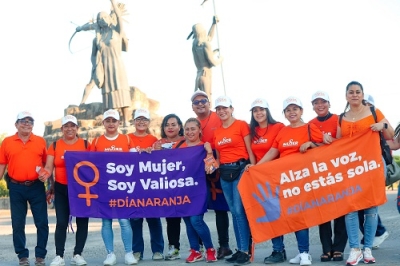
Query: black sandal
{"type": "Point", "coordinates": [337, 256]}
{"type": "Point", "coordinates": [326, 257]}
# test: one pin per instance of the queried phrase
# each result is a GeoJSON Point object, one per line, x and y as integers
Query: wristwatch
{"type": "Point", "coordinates": [385, 125]}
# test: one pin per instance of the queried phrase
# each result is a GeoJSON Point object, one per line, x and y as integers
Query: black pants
{"type": "Point", "coordinates": [222, 223]}
{"type": "Point", "coordinates": [339, 239]}
{"type": "Point", "coordinates": [61, 204]}
{"type": "Point", "coordinates": [174, 231]}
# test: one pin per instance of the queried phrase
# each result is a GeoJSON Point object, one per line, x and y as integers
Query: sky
{"type": "Point", "coordinates": [271, 48]}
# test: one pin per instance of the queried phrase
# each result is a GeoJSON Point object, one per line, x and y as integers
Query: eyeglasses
{"type": "Point", "coordinates": [26, 122]}
{"type": "Point", "coordinates": [144, 120]}
{"type": "Point", "coordinates": [202, 101]}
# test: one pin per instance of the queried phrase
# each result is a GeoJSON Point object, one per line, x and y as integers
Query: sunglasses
{"type": "Point", "coordinates": [202, 101]}
{"type": "Point", "coordinates": [26, 122]}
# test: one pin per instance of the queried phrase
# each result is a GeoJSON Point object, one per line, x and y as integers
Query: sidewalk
{"type": "Point", "coordinates": [94, 253]}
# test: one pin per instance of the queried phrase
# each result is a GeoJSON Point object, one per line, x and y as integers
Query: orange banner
{"type": "Point", "coordinates": [303, 190]}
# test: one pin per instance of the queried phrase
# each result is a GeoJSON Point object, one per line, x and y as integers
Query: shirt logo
{"type": "Point", "coordinates": [260, 141]}
{"type": "Point", "coordinates": [224, 141]}
{"type": "Point", "coordinates": [290, 143]}
{"type": "Point", "coordinates": [113, 148]}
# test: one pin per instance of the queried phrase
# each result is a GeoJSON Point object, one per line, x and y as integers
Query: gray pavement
{"type": "Point", "coordinates": [94, 253]}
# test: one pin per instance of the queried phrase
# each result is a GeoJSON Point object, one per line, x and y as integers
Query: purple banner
{"type": "Point", "coordinates": [166, 183]}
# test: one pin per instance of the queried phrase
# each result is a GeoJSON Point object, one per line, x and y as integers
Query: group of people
{"type": "Point", "coordinates": [236, 147]}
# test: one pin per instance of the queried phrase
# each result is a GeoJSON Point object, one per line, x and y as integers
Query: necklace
{"type": "Point", "coordinates": [356, 115]}
{"type": "Point", "coordinates": [265, 132]}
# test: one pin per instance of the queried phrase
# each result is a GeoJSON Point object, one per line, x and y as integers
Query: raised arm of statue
{"type": "Point", "coordinates": [212, 28]}
{"type": "Point", "coordinates": [116, 14]}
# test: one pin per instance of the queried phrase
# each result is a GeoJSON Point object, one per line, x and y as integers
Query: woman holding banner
{"type": "Point", "coordinates": [356, 118]}
{"type": "Point", "coordinates": [195, 226]}
{"type": "Point", "coordinates": [233, 148]}
{"type": "Point", "coordinates": [171, 133]}
{"type": "Point", "coordinates": [301, 136]}
{"type": "Point", "coordinates": [112, 141]}
{"type": "Point", "coordinates": [143, 142]}
{"type": "Point", "coordinates": [332, 249]}
{"type": "Point", "coordinates": [55, 161]}
{"type": "Point", "coordinates": [263, 131]}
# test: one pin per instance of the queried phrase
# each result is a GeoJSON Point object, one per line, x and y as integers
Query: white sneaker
{"type": "Point", "coordinates": [78, 260]}
{"type": "Point", "coordinates": [110, 260]}
{"type": "Point", "coordinates": [57, 261]}
{"type": "Point", "coordinates": [378, 240]}
{"type": "Point", "coordinates": [302, 259]}
{"type": "Point", "coordinates": [368, 258]}
{"type": "Point", "coordinates": [130, 259]}
{"type": "Point", "coordinates": [138, 256]}
{"type": "Point", "coordinates": [305, 258]}
{"type": "Point", "coordinates": [158, 256]}
{"type": "Point", "coordinates": [173, 253]}
{"type": "Point", "coordinates": [354, 257]}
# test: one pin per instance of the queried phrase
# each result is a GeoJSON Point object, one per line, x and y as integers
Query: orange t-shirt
{"type": "Point", "coordinates": [142, 142]}
{"type": "Point", "coordinates": [184, 145]}
{"type": "Point", "coordinates": [328, 126]}
{"type": "Point", "coordinates": [290, 139]}
{"type": "Point", "coordinates": [208, 126]}
{"type": "Point", "coordinates": [121, 144]}
{"type": "Point", "coordinates": [229, 142]}
{"type": "Point", "coordinates": [21, 158]}
{"type": "Point", "coordinates": [260, 145]}
{"type": "Point", "coordinates": [58, 154]}
{"type": "Point", "coordinates": [350, 128]}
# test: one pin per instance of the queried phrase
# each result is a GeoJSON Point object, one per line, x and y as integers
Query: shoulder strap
{"type": "Point", "coordinates": [129, 139]}
{"type": "Point", "coordinates": [179, 144]}
{"type": "Point", "coordinates": [95, 142]}
{"type": "Point", "coordinates": [54, 145]}
{"type": "Point", "coordinates": [86, 143]}
{"type": "Point", "coordinates": [309, 133]}
{"type": "Point", "coordinates": [373, 113]}
{"type": "Point", "coordinates": [340, 118]}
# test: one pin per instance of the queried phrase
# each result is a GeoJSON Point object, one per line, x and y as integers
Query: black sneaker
{"type": "Point", "coordinates": [234, 257]}
{"type": "Point", "coordinates": [243, 259]}
{"type": "Point", "coordinates": [275, 257]}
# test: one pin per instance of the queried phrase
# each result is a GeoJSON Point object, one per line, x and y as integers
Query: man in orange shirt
{"type": "Point", "coordinates": [209, 122]}
{"type": "Point", "coordinates": [23, 153]}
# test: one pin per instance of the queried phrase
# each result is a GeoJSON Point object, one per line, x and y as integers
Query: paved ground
{"type": "Point", "coordinates": [387, 254]}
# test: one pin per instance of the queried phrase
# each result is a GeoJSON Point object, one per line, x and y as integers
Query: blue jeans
{"type": "Point", "coordinates": [19, 197]}
{"type": "Point", "coordinates": [108, 235]}
{"type": "Point", "coordinates": [303, 241]}
{"type": "Point", "coordinates": [156, 235]}
{"type": "Point", "coordinates": [239, 219]}
{"type": "Point", "coordinates": [196, 228]}
{"type": "Point", "coordinates": [370, 224]}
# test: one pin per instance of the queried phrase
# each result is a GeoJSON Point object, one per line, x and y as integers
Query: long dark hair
{"type": "Point", "coordinates": [347, 88]}
{"type": "Point", "coordinates": [164, 123]}
{"type": "Point", "coordinates": [254, 123]}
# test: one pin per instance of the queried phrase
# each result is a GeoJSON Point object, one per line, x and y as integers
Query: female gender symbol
{"type": "Point", "coordinates": [87, 185]}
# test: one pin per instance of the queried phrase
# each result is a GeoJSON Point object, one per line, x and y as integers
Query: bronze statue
{"type": "Point", "coordinates": [108, 70]}
{"type": "Point", "coordinates": [203, 56]}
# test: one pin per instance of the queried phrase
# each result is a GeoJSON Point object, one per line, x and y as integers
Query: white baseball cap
{"type": "Point", "coordinates": [320, 95]}
{"type": "Point", "coordinates": [369, 99]}
{"type": "Point", "coordinates": [142, 112]}
{"type": "Point", "coordinates": [198, 93]}
{"type": "Point", "coordinates": [292, 100]}
{"type": "Point", "coordinates": [111, 113]}
{"type": "Point", "coordinates": [223, 101]}
{"type": "Point", "coordinates": [69, 118]}
{"type": "Point", "coordinates": [260, 102]}
{"type": "Point", "coordinates": [24, 114]}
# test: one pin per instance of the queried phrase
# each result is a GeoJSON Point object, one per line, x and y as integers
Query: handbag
{"type": "Point", "coordinates": [231, 172]}
{"type": "Point", "coordinates": [386, 152]}
{"type": "Point", "coordinates": [392, 173]}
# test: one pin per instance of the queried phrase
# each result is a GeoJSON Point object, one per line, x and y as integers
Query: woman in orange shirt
{"type": "Point", "coordinates": [171, 133]}
{"type": "Point", "coordinates": [357, 118]}
{"type": "Point", "coordinates": [233, 146]}
{"type": "Point", "coordinates": [195, 226]}
{"type": "Point", "coordinates": [144, 142]}
{"type": "Point", "coordinates": [263, 131]}
{"type": "Point", "coordinates": [296, 137]}
{"type": "Point", "coordinates": [55, 161]}
{"type": "Point", "coordinates": [112, 141]}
